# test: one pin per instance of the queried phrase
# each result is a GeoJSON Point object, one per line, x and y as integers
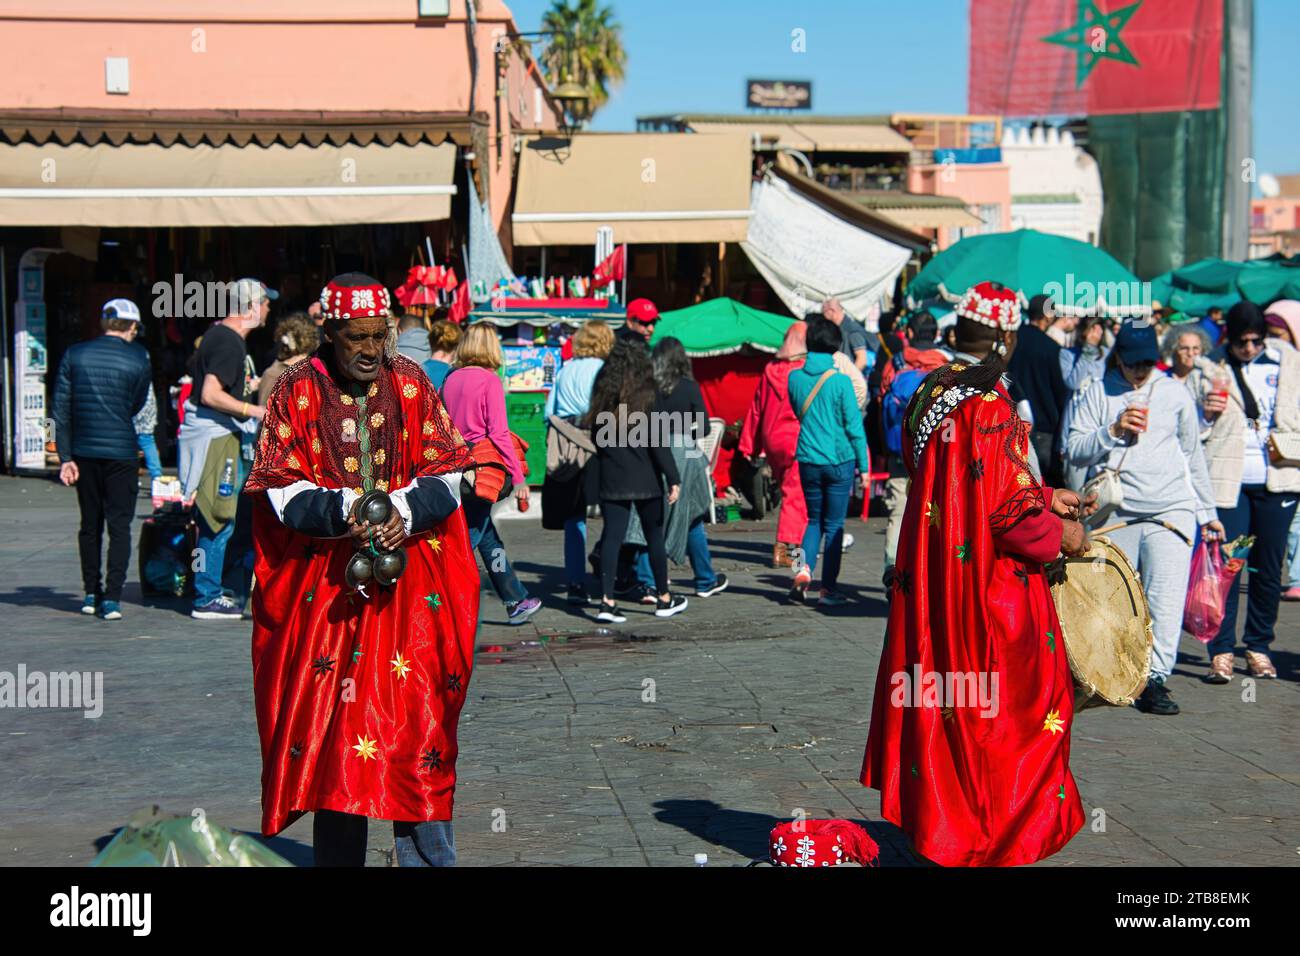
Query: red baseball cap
{"type": "Point", "coordinates": [643, 310]}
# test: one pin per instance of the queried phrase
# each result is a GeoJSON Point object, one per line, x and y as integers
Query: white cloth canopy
{"type": "Point", "coordinates": [808, 254]}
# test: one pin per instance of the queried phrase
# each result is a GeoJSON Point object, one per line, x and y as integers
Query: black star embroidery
{"type": "Point", "coordinates": [453, 683]}
{"type": "Point", "coordinates": [296, 750]}
{"type": "Point", "coordinates": [323, 665]}
{"type": "Point", "coordinates": [1023, 575]}
{"type": "Point", "coordinates": [432, 760]}
{"type": "Point", "coordinates": [903, 580]}
{"type": "Point", "coordinates": [976, 469]}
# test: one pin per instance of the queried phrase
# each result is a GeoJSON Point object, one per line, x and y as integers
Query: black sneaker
{"type": "Point", "coordinates": [719, 584]}
{"type": "Point", "coordinates": [578, 596]}
{"type": "Point", "coordinates": [645, 595]}
{"type": "Point", "coordinates": [609, 614]}
{"type": "Point", "coordinates": [674, 605]}
{"type": "Point", "coordinates": [1157, 700]}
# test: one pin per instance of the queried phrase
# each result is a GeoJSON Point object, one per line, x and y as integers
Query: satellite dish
{"type": "Point", "coordinates": [1269, 187]}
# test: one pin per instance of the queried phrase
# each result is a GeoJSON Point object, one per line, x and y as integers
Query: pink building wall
{"type": "Point", "coordinates": [330, 55]}
{"type": "Point", "coordinates": [976, 184]}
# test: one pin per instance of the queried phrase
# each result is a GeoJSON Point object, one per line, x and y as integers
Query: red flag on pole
{"type": "Point", "coordinates": [461, 305]}
{"type": "Point", "coordinates": [611, 269]}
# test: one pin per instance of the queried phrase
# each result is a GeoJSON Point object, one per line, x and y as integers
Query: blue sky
{"type": "Point", "coordinates": [866, 56]}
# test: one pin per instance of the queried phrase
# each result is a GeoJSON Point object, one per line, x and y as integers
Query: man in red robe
{"type": "Point", "coordinates": [970, 725]}
{"type": "Point", "coordinates": [358, 690]}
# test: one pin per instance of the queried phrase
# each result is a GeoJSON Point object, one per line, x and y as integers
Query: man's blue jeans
{"type": "Point", "coordinates": [339, 839]}
{"type": "Point", "coordinates": [826, 491]}
{"type": "Point", "coordinates": [575, 552]}
{"type": "Point", "coordinates": [697, 550]}
{"type": "Point", "coordinates": [483, 536]}
{"type": "Point", "coordinates": [212, 550]}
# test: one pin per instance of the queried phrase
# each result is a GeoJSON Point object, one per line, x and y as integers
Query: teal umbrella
{"type": "Point", "coordinates": [1082, 279]}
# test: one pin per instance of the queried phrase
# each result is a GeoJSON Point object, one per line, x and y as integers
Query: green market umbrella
{"type": "Point", "coordinates": [1266, 280]}
{"type": "Point", "coordinates": [1081, 278]}
{"type": "Point", "coordinates": [720, 327]}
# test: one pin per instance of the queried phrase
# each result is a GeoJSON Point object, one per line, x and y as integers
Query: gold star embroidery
{"type": "Point", "coordinates": [400, 666]}
{"type": "Point", "coordinates": [1054, 723]}
{"type": "Point", "coordinates": [360, 491]}
{"type": "Point", "coordinates": [1024, 480]}
{"type": "Point", "coordinates": [315, 445]}
{"type": "Point", "coordinates": [429, 454]}
{"type": "Point", "coordinates": [365, 748]}
{"type": "Point", "coordinates": [409, 390]}
{"type": "Point", "coordinates": [403, 434]}
{"type": "Point", "coordinates": [302, 401]}
{"type": "Point", "coordinates": [382, 484]}
{"type": "Point", "coordinates": [345, 399]}
{"type": "Point", "coordinates": [381, 456]}
{"type": "Point", "coordinates": [284, 431]}
{"type": "Point", "coordinates": [376, 419]}
{"type": "Point", "coordinates": [426, 429]}
{"type": "Point", "coordinates": [938, 390]}
{"type": "Point", "coordinates": [932, 512]}
{"type": "Point", "coordinates": [374, 390]}
{"type": "Point", "coordinates": [350, 463]}
{"type": "Point", "coordinates": [989, 396]}
{"type": "Point", "coordinates": [958, 367]}
{"type": "Point", "coordinates": [436, 544]}
{"type": "Point", "coordinates": [292, 461]}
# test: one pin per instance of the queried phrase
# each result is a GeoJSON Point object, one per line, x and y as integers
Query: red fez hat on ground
{"type": "Point", "coordinates": [821, 843]}
{"type": "Point", "coordinates": [354, 301]}
{"type": "Point", "coordinates": [991, 304]}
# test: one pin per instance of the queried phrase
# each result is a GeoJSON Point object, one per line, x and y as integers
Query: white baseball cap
{"type": "Point", "coordinates": [121, 309]}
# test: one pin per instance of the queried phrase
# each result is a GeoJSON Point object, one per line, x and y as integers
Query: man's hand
{"type": "Point", "coordinates": [1215, 404]}
{"type": "Point", "coordinates": [1065, 503]}
{"type": "Point", "coordinates": [673, 493]}
{"type": "Point", "coordinates": [866, 484]}
{"type": "Point", "coordinates": [1213, 530]}
{"type": "Point", "coordinates": [387, 536]}
{"type": "Point", "coordinates": [1074, 538]}
{"type": "Point", "coordinates": [69, 473]}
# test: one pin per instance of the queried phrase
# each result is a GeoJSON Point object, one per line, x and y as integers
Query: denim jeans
{"type": "Point", "coordinates": [208, 583]}
{"type": "Point", "coordinates": [826, 491]}
{"type": "Point", "coordinates": [152, 460]}
{"type": "Point", "coordinates": [697, 550]}
{"type": "Point", "coordinates": [483, 536]}
{"type": "Point", "coordinates": [575, 552]}
{"type": "Point", "coordinates": [339, 839]}
{"type": "Point", "coordinates": [1267, 515]}
{"type": "Point", "coordinates": [1293, 553]}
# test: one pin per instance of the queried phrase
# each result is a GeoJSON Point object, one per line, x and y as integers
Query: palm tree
{"type": "Point", "coordinates": [586, 48]}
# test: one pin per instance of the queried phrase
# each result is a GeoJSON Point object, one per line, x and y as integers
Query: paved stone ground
{"type": "Point", "coordinates": [758, 709]}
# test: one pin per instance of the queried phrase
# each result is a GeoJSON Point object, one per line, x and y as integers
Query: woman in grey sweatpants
{"type": "Point", "coordinates": [1164, 479]}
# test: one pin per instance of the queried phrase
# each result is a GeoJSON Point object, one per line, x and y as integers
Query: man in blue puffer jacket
{"type": "Point", "coordinates": [102, 384]}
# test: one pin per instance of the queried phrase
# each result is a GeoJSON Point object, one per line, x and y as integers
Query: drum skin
{"type": "Point", "coordinates": [1105, 625]}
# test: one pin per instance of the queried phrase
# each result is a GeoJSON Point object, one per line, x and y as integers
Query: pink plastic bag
{"type": "Point", "coordinates": [1207, 591]}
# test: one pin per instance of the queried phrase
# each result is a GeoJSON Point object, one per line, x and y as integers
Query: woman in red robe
{"type": "Point", "coordinates": [358, 690]}
{"type": "Point", "coordinates": [970, 725]}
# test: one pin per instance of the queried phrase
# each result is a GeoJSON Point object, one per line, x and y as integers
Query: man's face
{"type": "Point", "coordinates": [643, 329]}
{"type": "Point", "coordinates": [832, 309]}
{"type": "Point", "coordinates": [358, 346]}
{"type": "Point", "coordinates": [1248, 347]}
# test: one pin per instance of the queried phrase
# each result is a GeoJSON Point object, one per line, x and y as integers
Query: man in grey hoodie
{"type": "Point", "coordinates": [1145, 425]}
{"type": "Point", "coordinates": [413, 339]}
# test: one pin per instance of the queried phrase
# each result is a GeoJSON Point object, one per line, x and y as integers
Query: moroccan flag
{"type": "Point", "coordinates": [611, 269]}
{"type": "Point", "coordinates": [1094, 57]}
{"type": "Point", "coordinates": [461, 304]}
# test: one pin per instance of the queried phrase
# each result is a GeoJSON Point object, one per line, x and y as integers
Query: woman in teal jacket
{"type": "Point", "coordinates": [831, 443]}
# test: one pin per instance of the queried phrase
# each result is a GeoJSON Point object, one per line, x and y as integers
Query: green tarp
{"type": "Point", "coordinates": [1198, 287]}
{"type": "Point", "coordinates": [720, 327]}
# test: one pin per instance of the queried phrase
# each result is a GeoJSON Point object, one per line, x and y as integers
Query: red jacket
{"type": "Point", "coordinates": [770, 426]}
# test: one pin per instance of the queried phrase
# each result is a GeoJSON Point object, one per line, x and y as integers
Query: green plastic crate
{"type": "Point", "coordinates": [525, 411]}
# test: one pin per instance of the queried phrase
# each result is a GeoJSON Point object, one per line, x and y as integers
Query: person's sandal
{"type": "Point", "coordinates": [1220, 669]}
{"type": "Point", "coordinates": [1260, 665]}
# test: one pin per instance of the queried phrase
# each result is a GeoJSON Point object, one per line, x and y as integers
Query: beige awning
{"type": "Point", "coordinates": [931, 217]}
{"type": "Point", "coordinates": [152, 185]}
{"type": "Point", "coordinates": [649, 187]}
{"type": "Point", "coordinates": [811, 137]}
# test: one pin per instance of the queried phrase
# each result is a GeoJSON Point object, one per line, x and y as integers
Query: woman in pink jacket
{"type": "Point", "coordinates": [476, 401]}
{"type": "Point", "coordinates": [772, 429]}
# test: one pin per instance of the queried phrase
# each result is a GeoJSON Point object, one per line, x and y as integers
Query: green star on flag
{"type": "Point", "coordinates": [964, 551]}
{"type": "Point", "coordinates": [1051, 642]}
{"type": "Point", "coordinates": [433, 600]}
{"type": "Point", "coordinates": [1096, 35]}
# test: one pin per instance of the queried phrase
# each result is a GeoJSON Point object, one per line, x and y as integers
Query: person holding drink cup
{"type": "Point", "coordinates": [1252, 402]}
{"type": "Point", "coordinates": [1144, 426]}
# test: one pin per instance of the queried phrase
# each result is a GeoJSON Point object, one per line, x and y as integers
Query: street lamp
{"type": "Point", "coordinates": [575, 103]}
